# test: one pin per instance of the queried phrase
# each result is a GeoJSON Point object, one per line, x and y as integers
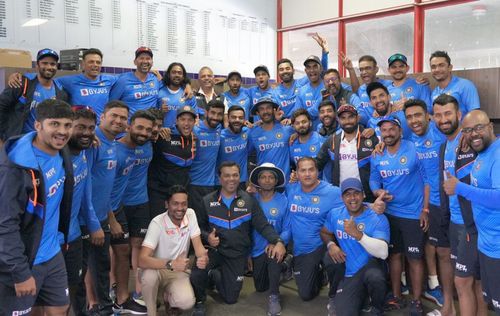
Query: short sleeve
{"type": "Point", "coordinates": [153, 235]}
{"type": "Point", "coordinates": [194, 229]}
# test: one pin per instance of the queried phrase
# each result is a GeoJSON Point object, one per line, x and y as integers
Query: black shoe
{"type": "Point", "coordinates": [199, 309]}
{"type": "Point", "coordinates": [130, 307]}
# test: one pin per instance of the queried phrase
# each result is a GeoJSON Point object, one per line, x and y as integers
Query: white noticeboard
{"type": "Point", "coordinates": [222, 34]}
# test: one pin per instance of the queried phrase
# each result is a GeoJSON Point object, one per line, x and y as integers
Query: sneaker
{"type": "Point", "coordinates": [435, 295]}
{"type": "Point", "coordinates": [112, 292]}
{"type": "Point", "coordinates": [173, 311]}
{"type": "Point", "coordinates": [404, 289]}
{"type": "Point", "coordinates": [416, 308]}
{"type": "Point", "coordinates": [214, 279]}
{"type": "Point", "coordinates": [274, 307]}
{"type": "Point", "coordinates": [199, 309]}
{"type": "Point", "coordinates": [331, 307]}
{"type": "Point", "coordinates": [137, 297]}
{"type": "Point", "coordinates": [394, 303]}
{"type": "Point", "coordinates": [130, 307]}
{"type": "Point", "coordinates": [367, 305]}
{"type": "Point", "coordinates": [93, 311]}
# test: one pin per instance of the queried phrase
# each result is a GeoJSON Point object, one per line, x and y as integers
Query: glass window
{"type": "Point", "coordinates": [468, 32]}
{"type": "Point", "coordinates": [299, 44]}
{"type": "Point", "coordinates": [381, 37]}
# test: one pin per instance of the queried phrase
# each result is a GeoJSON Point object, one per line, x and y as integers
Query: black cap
{"type": "Point", "coordinates": [145, 50]}
{"type": "Point", "coordinates": [312, 58]}
{"type": "Point", "coordinates": [47, 52]}
{"type": "Point", "coordinates": [261, 68]}
{"type": "Point", "coordinates": [186, 109]}
{"type": "Point", "coordinates": [262, 101]}
{"type": "Point", "coordinates": [233, 73]}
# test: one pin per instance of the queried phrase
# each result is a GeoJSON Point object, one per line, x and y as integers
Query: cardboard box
{"type": "Point", "coordinates": [15, 58]}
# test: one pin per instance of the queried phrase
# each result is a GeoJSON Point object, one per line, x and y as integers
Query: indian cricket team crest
{"type": "Point", "coordinates": [242, 102]}
{"type": "Point", "coordinates": [315, 199]}
{"type": "Point", "coordinates": [368, 143]}
{"type": "Point", "coordinates": [152, 84]}
{"type": "Point", "coordinates": [428, 143]}
{"type": "Point", "coordinates": [240, 203]}
{"type": "Point", "coordinates": [403, 160]}
{"type": "Point", "coordinates": [182, 99]}
{"type": "Point", "coordinates": [279, 135]}
{"type": "Point", "coordinates": [273, 211]}
{"type": "Point", "coordinates": [409, 89]}
{"type": "Point", "coordinates": [361, 227]}
{"type": "Point", "coordinates": [312, 148]}
{"type": "Point", "coordinates": [244, 135]}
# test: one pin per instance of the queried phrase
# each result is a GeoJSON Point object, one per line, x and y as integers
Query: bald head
{"type": "Point", "coordinates": [478, 130]}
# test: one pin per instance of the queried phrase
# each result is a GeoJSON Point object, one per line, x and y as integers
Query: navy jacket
{"type": "Point", "coordinates": [22, 212]}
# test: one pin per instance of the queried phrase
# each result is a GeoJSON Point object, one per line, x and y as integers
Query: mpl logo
{"type": "Point", "coordinates": [413, 250]}
{"type": "Point", "coordinates": [461, 267]}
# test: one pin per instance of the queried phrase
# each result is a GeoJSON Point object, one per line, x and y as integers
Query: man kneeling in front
{"type": "Point", "coordinates": [164, 255]}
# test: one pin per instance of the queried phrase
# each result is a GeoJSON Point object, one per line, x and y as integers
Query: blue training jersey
{"type": "Point", "coordinates": [403, 175]}
{"type": "Point", "coordinates": [40, 94]}
{"type": "Point", "coordinates": [308, 212]}
{"type": "Point", "coordinates": [125, 161]}
{"type": "Point", "coordinates": [365, 98]}
{"type": "Point", "coordinates": [242, 99]}
{"type": "Point", "coordinates": [410, 89]}
{"type": "Point", "coordinates": [202, 170]}
{"type": "Point", "coordinates": [102, 161]}
{"type": "Point", "coordinates": [309, 98]}
{"type": "Point", "coordinates": [428, 146]}
{"type": "Point", "coordinates": [369, 223]}
{"type": "Point", "coordinates": [53, 176]}
{"type": "Point", "coordinates": [137, 94]}
{"type": "Point", "coordinates": [463, 90]}
{"type": "Point", "coordinates": [286, 97]}
{"type": "Point", "coordinates": [136, 192]}
{"type": "Point", "coordinates": [272, 146]}
{"type": "Point", "coordinates": [308, 149]}
{"type": "Point", "coordinates": [484, 193]}
{"type": "Point", "coordinates": [276, 212]}
{"type": "Point", "coordinates": [234, 147]}
{"type": "Point", "coordinates": [450, 156]}
{"type": "Point", "coordinates": [85, 91]}
{"type": "Point", "coordinates": [174, 100]}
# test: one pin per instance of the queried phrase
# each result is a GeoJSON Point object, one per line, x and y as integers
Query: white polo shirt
{"type": "Point", "coordinates": [168, 240]}
{"type": "Point", "coordinates": [348, 158]}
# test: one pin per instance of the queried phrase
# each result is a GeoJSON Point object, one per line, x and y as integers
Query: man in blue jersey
{"type": "Point", "coordinates": [202, 172]}
{"type": "Point", "coordinates": [121, 219]}
{"type": "Point", "coordinates": [380, 100]}
{"type": "Point", "coordinates": [347, 154]}
{"type": "Point", "coordinates": [309, 96]}
{"type": "Point", "coordinates": [368, 70]}
{"type": "Point", "coordinates": [262, 87]}
{"type": "Point", "coordinates": [484, 194]}
{"type": "Point", "coordinates": [270, 139]}
{"type": "Point", "coordinates": [18, 104]}
{"type": "Point", "coordinates": [171, 95]}
{"type": "Point", "coordinates": [267, 271]}
{"type": "Point", "coordinates": [36, 189]}
{"type": "Point", "coordinates": [234, 142]}
{"type": "Point", "coordinates": [82, 209]}
{"type": "Point", "coordinates": [403, 87]}
{"type": "Point", "coordinates": [138, 88]}
{"type": "Point", "coordinates": [307, 142]}
{"type": "Point", "coordinates": [102, 162]}
{"type": "Point", "coordinates": [172, 160]}
{"type": "Point", "coordinates": [236, 95]}
{"type": "Point", "coordinates": [428, 140]}
{"type": "Point", "coordinates": [328, 118]}
{"type": "Point", "coordinates": [461, 89]}
{"type": "Point", "coordinates": [226, 220]}
{"type": "Point", "coordinates": [399, 175]}
{"type": "Point", "coordinates": [463, 234]}
{"type": "Point", "coordinates": [362, 237]}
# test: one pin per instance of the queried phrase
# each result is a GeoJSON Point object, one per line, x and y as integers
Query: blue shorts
{"type": "Point", "coordinates": [51, 289]}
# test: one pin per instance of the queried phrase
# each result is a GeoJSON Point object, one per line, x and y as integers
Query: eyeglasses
{"type": "Point", "coordinates": [478, 129]}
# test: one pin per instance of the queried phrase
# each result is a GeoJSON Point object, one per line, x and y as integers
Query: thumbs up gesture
{"type": "Point", "coordinates": [213, 239]}
{"type": "Point", "coordinates": [202, 261]}
{"type": "Point", "coordinates": [450, 183]}
{"type": "Point", "coordinates": [351, 229]}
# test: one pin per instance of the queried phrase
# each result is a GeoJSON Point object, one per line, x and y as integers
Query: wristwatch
{"type": "Point", "coordinates": [279, 240]}
{"type": "Point", "coordinates": [169, 265]}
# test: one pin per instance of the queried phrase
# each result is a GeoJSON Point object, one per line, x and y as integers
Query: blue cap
{"type": "Point", "coordinates": [47, 52]}
{"type": "Point", "coordinates": [262, 101]}
{"type": "Point", "coordinates": [389, 118]}
{"type": "Point", "coordinates": [351, 183]}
